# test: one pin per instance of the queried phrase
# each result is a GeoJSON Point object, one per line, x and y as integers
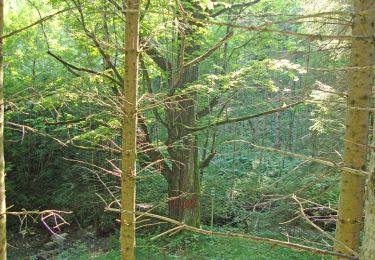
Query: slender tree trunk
{"type": "Point", "coordinates": [368, 245]}
{"type": "Point", "coordinates": [278, 134]}
{"type": "Point", "coordinates": [291, 129]}
{"type": "Point", "coordinates": [3, 240]}
{"type": "Point", "coordinates": [356, 132]}
{"type": "Point", "coordinates": [128, 181]}
{"type": "Point", "coordinates": [256, 128]}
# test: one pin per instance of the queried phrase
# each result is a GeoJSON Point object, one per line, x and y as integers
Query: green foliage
{"type": "Point", "coordinates": [326, 118]}
{"type": "Point", "coordinates": [78, 251]}
{"type": "Point", "coordinates": [194, 246]}
{"type": "Point", "coordinates": [252, 73]}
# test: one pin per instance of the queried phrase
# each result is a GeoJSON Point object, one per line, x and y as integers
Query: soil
{"type": "Point", "coordinates": [39, 245]}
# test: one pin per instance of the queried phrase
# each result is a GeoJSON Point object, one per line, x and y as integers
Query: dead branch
{"type": "Point", "coordinates": [305, 157]}
{"type": "Point", "coordinates": [182, 226]}
{"type": "Point", "coordinates": [302, 212]}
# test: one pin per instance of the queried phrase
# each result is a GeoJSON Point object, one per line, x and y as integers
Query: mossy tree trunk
{"type": "Point", "coordinates": [357, 124]}
{"type": "Point", "coordinates": [184, 182]}
{"type": "Point", "coordinates": [181, 113]}
{"type": "Point", "coordinates": [3, 240]}
{"type": "Point", "coordinates": [128, 176]}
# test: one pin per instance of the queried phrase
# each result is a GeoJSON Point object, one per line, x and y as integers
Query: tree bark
{"type": "Point", "coordinates": [356, 131]}
{"type": "Point", "coordinates": [368, 244]}
{"type": "Point", "coordinates": [291, 129]}
{"type": "Point", "coordinates": [184, 182]}
{"type": "Point", "coordinates": [128, 176]}
{"type": "Point", "coordinates": [3, 239]}
{"type": "Point", "coordinates": [278, 134]}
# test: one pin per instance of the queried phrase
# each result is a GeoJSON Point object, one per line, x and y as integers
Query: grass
{"type": "Point", "coordinates": [193, 246]}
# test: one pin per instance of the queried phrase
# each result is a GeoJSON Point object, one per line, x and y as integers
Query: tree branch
{"type": "Point", "coordinates": [71, 66]}
{"type": "Point", "coordinates": [46, 18]}
{"type": "Point", "coordinates": [207, 160]}
{"type": "Point", "coordinates": [116, 5]}
{"type": "Point", "coordinates": [263, 29]}
{"type": "Point", "coordinates": [67, 122]}
{"type": "Point", "coordinates": [320, 229]}
{"type": "Point", "coordinates": [309, 158]}
{"type": "Point", "coordinates": [96, 148]}
{"type": "Point", "coordinates": [234, 6]}
{"type": "Point", "coordinates": [147, 80]}
{"type": "Point", "coordinates": [156, 56]}
{"type": "Point", "coordinates": [207, 109]}
{"type": "Point", "coordinates": [209, 52]}
{"type": "Point", "coordinates": [271, 241]}
{"type": "Point", "coordinates": [243, 118]}
{"type": "Point", "coordinates": [150, 150]}
{"type": "Point", "coordinates": [96, 43]}
{"type": "Point", "coordinates": [24, 129]}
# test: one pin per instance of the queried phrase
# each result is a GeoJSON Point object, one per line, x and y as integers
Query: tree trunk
{"type": "Point", "coordinates": [128, 181]}
{"type": "Point", "coordinates": [368, 245]}
{"type": "Point", "coordinates": [3, 240]}
{"type": "Point", "coordinates": [184, 182]}
{"type": "Point", "coordinates": [291, 129]}
{"type": "Point", "coordinates": [356, 132]}
{"type": "Point", "coordinates": [278, 134]}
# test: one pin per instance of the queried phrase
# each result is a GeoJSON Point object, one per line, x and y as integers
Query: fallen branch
{"type": "Point", "coordinates": [182, 226]}
{"type": "Point", "coordinates": [294, 197]}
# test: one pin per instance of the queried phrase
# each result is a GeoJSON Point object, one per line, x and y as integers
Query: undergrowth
{"type": "Point", "coordinates": [194, 246]}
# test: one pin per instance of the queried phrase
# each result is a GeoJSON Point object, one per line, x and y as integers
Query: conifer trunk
{"type": "Point", "coordinates": [368, 245]}
{"type": "Point", "coordinates": [3, 240]}
{"type": "Point", "coordinates": [128, 176]}
{"type": "Point", "coordinates": [357, 124]}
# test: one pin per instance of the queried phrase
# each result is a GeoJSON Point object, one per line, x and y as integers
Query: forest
{"type": "Point", "coordinates": [186, 129]}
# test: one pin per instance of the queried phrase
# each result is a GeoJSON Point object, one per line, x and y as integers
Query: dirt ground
{"type": "Point", "coordinates": [38, 245]}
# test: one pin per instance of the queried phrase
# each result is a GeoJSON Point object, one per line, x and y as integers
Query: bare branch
{"type": "Point", "coordinates": [46, 18]}
{"type": "Point", "coordinates": [67, 122]}
{"type": "Point", "coordinates": [281, 243]}
{"type": "Point", "coordinates": [235, 6]}
{"type": "Point", "coordinates": [24, 129]}
{"type": "Point", "coordinates": [209, 52]}
{"type": "Point", "coordinates": [311, 37]}
{"type": "Point", "coordinates": [243, 118]}
{"type": "Point", "coordinates": [71, 66]}
{"type": "Point", "coordinates": [321, 230]}
{"type": "Point", "coordinates": [97, 44]}
{"type": "Point", "coordinates": [305, 157]}
{"type": "Point", "coordinates": [149, 149]}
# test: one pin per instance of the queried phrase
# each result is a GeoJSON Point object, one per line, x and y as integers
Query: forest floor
{"type": "Point", "coordinates": [83, 244]}
{"type": "Point", "coordinates": [36, 245]}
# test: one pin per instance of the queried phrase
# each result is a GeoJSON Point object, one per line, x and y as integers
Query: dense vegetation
{"type": "Point", "coordinates": [245, 126]}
